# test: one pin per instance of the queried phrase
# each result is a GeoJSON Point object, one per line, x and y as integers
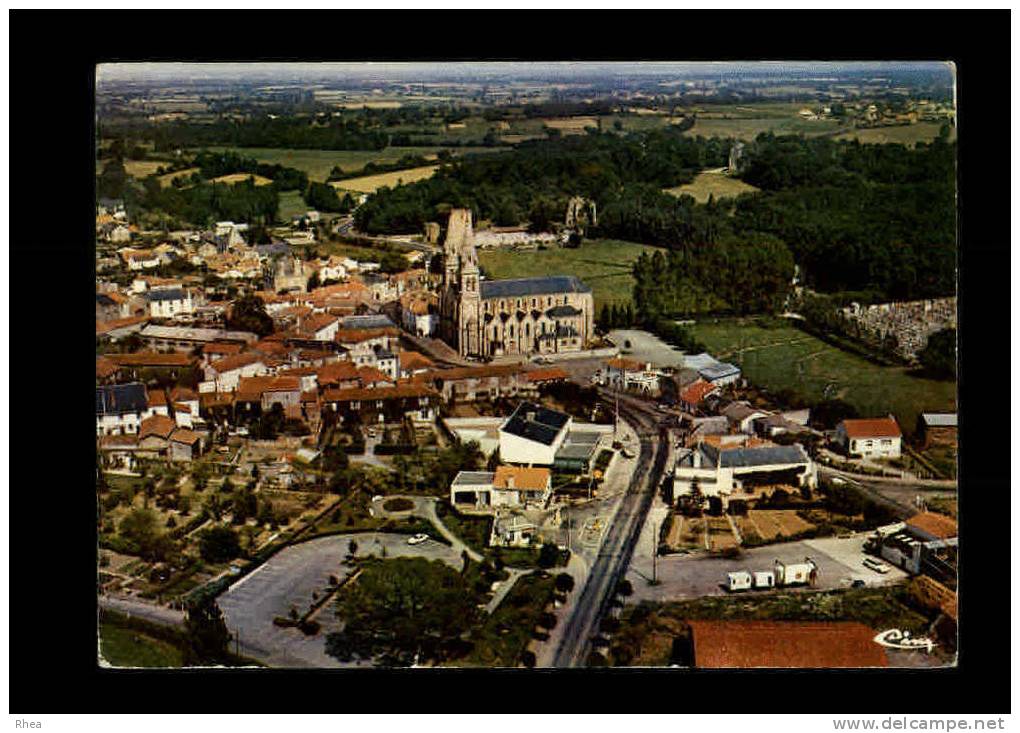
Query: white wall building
{"type": "Point", "coordinates": [870, 438]}
{"type": "Point", "coordinates": [532, 435]}
{"type": "Point", "coordinates": [168, 302]}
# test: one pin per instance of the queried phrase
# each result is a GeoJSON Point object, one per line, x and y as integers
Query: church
{"type": "Point", "coordinates": [489, 318]}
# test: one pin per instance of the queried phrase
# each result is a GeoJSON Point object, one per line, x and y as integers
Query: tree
{"type": "Point", "coordinates": [548, 555]}
{"type": "Point", "coordinates": [829, 413]}
{"type": "Point", "coordinates": [206, 632]}
{"type": "Point", "coordinates": [248, 313]}
{"type": "Point", "coordinates": [219, 544]}
{"type": "Point", "coordinates": [938, 357]}
{"type": "Point", "coordinates": [401, 610]}
{"type": "Point", "coordinates": [528, 659]}
{"type": "Point", "coordinates": [624, 588]}
{"type": "Point", "coordinates": [564, 583]}
{"type": "Point", "coordinates": [547, 620]}
{"type": "Point", "coordinates": [141, 531]}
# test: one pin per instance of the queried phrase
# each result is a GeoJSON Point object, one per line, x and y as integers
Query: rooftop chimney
{"type": "Point", "coordinates": [530, 415]}
{"type": "Point", "coordinates": [510, 481]}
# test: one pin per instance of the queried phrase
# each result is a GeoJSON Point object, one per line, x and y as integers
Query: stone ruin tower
{"type": "Point", "coordinates": [580, 214]}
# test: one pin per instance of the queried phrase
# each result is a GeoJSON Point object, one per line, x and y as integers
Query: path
{"type": "Point", "coordinates": [149, 611]}
{"type": "Point", "coordinates": [497, 598]}
{"type": "Point", "coordinates": [424, 507]}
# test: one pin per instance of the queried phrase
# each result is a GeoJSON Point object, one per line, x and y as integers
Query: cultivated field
{"type": "Point", "coordinates": [571, 125]}
{"type": "Point", "coordinates": [786, 358]}
{"type": "Point", "coordinates": [166, 180]}
{"type": "Point", "coordinates": [720, 534]}
{"type": "Point", "coordinates": [769, 524]}
{"type": "Point", "coordinates": [233, 178]}
{"type": "Point", "coordinates": [135, 168]}
{"type": "Point", "coordinates": [371, 184]}
{"type": "Point", "coordinates": [907, 135]}
{"type": "Point", "coordinates": [318, 163]}
{"type": "Point", "coordinates": [744, 128]}
{"type": "Point", "coordinates": [603, 264]}
{"type": "Point", "coordinates": [715, 183]}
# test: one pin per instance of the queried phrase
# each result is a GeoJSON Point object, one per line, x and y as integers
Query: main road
{"type": "Point", "coordinates": [618, 546]}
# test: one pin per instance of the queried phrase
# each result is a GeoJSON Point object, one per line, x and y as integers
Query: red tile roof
{"type": "Point", "coordinates": [357, 335]}
{"type": "Point", "coordinates": [217, 347]}
{"type": "Point", "coordinates": [414, 360]}
{"type": "Point", "coordinates": [152, 359]}
{"type": "Point", "coordinates": [230, 363]}
{"type": "Point", "coordinates": [182, 435]}
{"type": "Point", "coordinates": [399, 391]}
{"type": "Point", "coordinates": [158, 425]}
{"type": "Point", "coordinates": [531, 479]}
{"type": "Point", "coordinates": [548, 374]}
{"type": "Point", "coordinates": [107, 326]}
{"type": "Point", "coordinates": [251, 389]}
{"type": "Point", "coordinates": [627, 365]}
{"type": "Point", "coordinates": [474, 372]}
{"type": "Point", "coordinates": [697, 391]}
{"type": "Point", "coordinates": [785, 644]}
{"type": "Point", "coordinates": [937, 525]}
{"type": "Point", "coordinates": [105, 368]}
{"type": "Point", "coordinates": [876, 427]}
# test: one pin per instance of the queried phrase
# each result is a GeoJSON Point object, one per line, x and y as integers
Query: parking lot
{"type": "Point", "coordinates": [646, 347]}
{"type": "Point", "coordinates": [289, 578]}
{"type": "Point", "coordinates": [694, 575]}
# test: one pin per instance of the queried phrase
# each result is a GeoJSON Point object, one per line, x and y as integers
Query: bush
{"type": "Point", "coordinates": [624, 588]}
{"type": "Point", "coordinates": [597, 659]}
{"type": "Point", "coordinates": [547, 620]}
{"type": "Point", "coordinates": [219, 544]}
{"type": "Point", "coordinates": [398, 505]}
{"type": "Point", "coordinates": [310, 628]}
{"type": "Point", "coordinates": [549, 555]}
{"type": "Point", "coordinates": [564, 583]}
{"type": "Point", "coordinates": [528, 659]}
{"type": "Point", "coordinates": [539, 635]}
{"type": "Point", "coordinates": [610, 624]}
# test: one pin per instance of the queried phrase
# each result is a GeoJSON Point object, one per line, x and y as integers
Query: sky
{"type": "Point", "coordinates": [419, 71]}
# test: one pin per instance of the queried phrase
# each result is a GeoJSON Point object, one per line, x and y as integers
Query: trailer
{"type": "Point", "coordinates": [801, 573]}
{"type": "Point", "coordinates": [738, 581]}
{"type": "Point", "coordinates": [764, 580]}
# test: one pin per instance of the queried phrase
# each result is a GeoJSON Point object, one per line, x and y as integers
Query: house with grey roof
{"type": "Point", "coordinates": [168, 302]}
{"type": "Point", "coordinates": [120, 408]}
{"type": "Point", "coordinates": [532, 435]}
{"type": "Point", "coordinates": [726, 465]}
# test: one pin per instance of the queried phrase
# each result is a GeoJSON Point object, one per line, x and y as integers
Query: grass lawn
{"type": "Point", "coordinates": [748, 128]}
{"type": "Point", "coordinates": [785, 357]}
{"type": "Point", "coordinates": [715, 183]}
{"type": "Point", "coordinates": [318, 163]}
{"type": "Point", "coordinates": [291, 204]}
{"type": "Point", "coordinates": [504, 636]}
{"type": "Point", "coordinates": [603, 264]}
{"type": "Point", "coordinates": [123, 647]}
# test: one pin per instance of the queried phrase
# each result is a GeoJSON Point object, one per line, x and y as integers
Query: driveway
{"type": "Point", "coordinates": [696, 575]}
{"type": "Point", "coordinates": [289, 578]}
{"type": "Point", "coordinates": [148, 611]}
{"type": "Point", "coordinates": [424, 507]}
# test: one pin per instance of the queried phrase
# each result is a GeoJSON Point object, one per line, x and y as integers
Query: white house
{"type": "Point", "coordinates": [878, 437]}
{"type": "Point", "coordinates": [319, 326]}
{"type": "Point", "coordinates": [741, 416]}
{"type": "Point", "coordinates": [722, 465]}
{"type": "Point", "coordinates": [168, 302]}
{"type": "Point", "coordinates": [224, 374]}
{"type": "Point", "coordinates": [120, 408]}
{"type": "Point", "coordinates": [508, 487]}
{"type": "Point", "coordinates": [630, 375]}
{"type": "Point", "coordinates": [532, 435]}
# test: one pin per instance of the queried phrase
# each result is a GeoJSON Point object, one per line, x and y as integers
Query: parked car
{"type": "Point", "coordinates": [418, 539]}
{"type": "Point", "coordinates": [857, 583]}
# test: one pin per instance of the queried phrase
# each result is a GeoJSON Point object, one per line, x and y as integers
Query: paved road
{"type": "Point", "coordinates": [618, 545]}
{"type": "Point", "coordinates": [289, 578]}
{"type": "Point", "coordinates": [696, 575]}
{"type": "Point", "coordinates": [645, 346]}
{"type": "Point", "coordinates": [149, 611]}
{"type": "Point", "coordinates": [497, 598]}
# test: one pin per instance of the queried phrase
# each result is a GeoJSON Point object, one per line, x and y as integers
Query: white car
{"type": "Point", "coordinates": [418, 539]}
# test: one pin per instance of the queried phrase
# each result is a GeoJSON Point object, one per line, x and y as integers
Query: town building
{"type": "Point", "coordinates": [120, 408]}
{"type": "Point", "coordinates": [878, 437]}
{"type": "Point", "coordinates": [506, 487]}
{"type": "Point", "coordinates": [486, 318]}
{"type": "Point", "coordinates": [629, 375]}
{"type": "Point", "coordinates": [180, 338]}
{"type": "Point", "coordinates": [927, 543]}
{"type": "Point", "coordinates": [168, 302]}
{"type": "Point", "coordinates": [721, 465]}
{"type": "Point", "coordinates": [532, 435]}
{"type": "Point", "coordinates": [417, 402]}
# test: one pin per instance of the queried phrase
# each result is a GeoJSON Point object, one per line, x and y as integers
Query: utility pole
{"type": "Point", "coordinates": [655, 551]}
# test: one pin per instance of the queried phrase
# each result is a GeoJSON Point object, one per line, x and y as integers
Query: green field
{"type": "Point", "coordinates": [749, 128]}
{"type": "Point", "coordinates": [291, 204]}
{"type": "Point", "coordinates": [785, 357]}
{"type": "Point", "coordinates": [712, 182]}
{"type": "Point", "coordinates": [318, 163]}
{"type": "Point", "coordinates": [603, 264]}
{"type": "Point", "coordinates": [128, 648]}
{"type": "Point", "coordinates": [907, 135]}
